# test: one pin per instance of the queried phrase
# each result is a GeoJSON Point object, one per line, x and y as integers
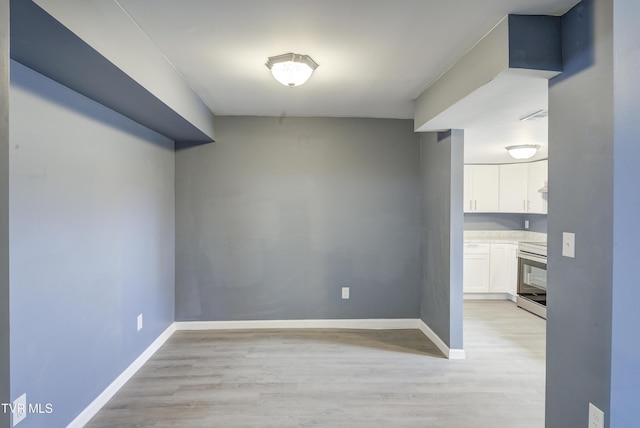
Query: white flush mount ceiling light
{"type": "Point", "coordinates": [291, 69]}
{"type": "Point", "coordinates": [523, 151]}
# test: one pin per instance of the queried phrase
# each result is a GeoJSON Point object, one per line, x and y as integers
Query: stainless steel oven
{"type": "Point", "coordinates": [532, 277]}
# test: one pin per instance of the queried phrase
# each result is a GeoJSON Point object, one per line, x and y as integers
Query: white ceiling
{"type": "Point", "coordinates": [492, 117]}
{"type": "Point", "coordinates": [375, 56]}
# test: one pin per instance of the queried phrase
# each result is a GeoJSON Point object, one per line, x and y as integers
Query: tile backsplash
{"type": "Point", "coordinates": [515, 235]}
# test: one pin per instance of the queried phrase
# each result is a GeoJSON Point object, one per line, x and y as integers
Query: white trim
{"type": "Point", "coordinates": [367, 324]}
{"type": "Point", "coordinates": [489, 296]}
{"type": "Point", "coordinates": [457, 354]}
{"type": "Point", "coordinates": [452, 354]}
{"type": "Point", "coordinates": [90, 411]}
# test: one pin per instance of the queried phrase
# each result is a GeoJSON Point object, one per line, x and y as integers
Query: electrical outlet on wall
{"type": "Point", "coordinates": [345, 292]}
{"type": "Point", "coordinates": [596, 417]}
{"type": "Point", "coordinates": [139, 322]}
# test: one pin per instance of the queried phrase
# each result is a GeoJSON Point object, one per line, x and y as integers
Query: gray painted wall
{"type": "Point", "coordinates": [581, 169]}
{"type": "Point", "coordinates": [442, 175]}
{"type": "Point", "coordinates": [280, 213]}
{"type": "Point", "coordinates": [537, 222]}
{"type": "Point", "coordinates": [505, 221]}
{"type": "Point", "coordinates": [4, 211]}
{"type": "Point", "coordinates": [491, 221]}
{"type": "Point", "coordinates": [625, 367]}
{"type": "Point", "coordinates": [92, 244]}
{"type": "Point", "coordinates": [535, 42]}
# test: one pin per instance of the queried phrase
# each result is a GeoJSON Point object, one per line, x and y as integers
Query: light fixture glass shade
{"type": "Point", "coordinates": [291, 69]}
{"type": "Point", "coordinates": [523, 151]}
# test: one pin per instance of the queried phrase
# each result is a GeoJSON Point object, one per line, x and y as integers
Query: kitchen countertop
{"type": "Point", "coordinates": [503, 236]}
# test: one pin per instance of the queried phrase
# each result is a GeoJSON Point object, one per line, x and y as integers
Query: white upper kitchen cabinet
{"type": "Point", "coordinates": [468, 189]}
{"type": "Point", "coordinates": [481, 188]}
{"type": "Point", "coordinates": [537, 179]}
{"type": "Point", "coordinates": [513, 188]}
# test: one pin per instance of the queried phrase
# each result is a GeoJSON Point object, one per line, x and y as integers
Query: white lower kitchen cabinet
{"type": "Point", "coordinates": [477, 263]}
{"type": "Point", "coordinates": [503, 273]}
{"type": "Point", "coordinates": [490, 270]}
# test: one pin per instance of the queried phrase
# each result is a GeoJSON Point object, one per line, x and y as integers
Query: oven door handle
{"type": "Point", "coordinates": [532, 257]}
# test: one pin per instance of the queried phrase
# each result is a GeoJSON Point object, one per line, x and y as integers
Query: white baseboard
{"type": "Point", "coordinates": [489, 296]}
{"type": "Point", "coordinates": [90, 411]}
{"type": "Point", "coordinates": [367, 324]}
{"type": "Point", "coordinates": [452, 354]}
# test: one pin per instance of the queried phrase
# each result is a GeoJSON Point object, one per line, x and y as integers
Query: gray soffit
{"type": "Point", "coordinates": [502, 80]}
{"type": "Point", "coordinates": [535, 42]}
{"type": "Point", "coordinates": [529, 45]}
{"type": "Point", "coordinates": [43, 44]}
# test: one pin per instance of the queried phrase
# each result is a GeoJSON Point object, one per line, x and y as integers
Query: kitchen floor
{"type": "Point", "coordinates": [342, 378]}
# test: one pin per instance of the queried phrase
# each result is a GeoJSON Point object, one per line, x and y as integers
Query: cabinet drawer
{"type": "Point", "coordinates": [477, 248]}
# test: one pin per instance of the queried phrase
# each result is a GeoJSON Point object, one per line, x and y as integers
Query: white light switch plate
{"type": "Point", "coordinates": [596, 417]}
{"type": "Point", "coordinates": [139, 322]}
{"type": "Point", "coordinates": [345, 292]}
{"type": "Point", "coordinates": [569, 244]}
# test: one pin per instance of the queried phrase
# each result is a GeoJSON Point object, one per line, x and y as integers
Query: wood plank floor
{"type": "Point", "coordinates": [342, 378]}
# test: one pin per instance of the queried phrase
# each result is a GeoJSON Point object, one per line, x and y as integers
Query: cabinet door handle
{"type": "Point", "coordinates": [471, 205]}
{"type": "Point", "coordinates": [475, 205]}
{"type": "Point", "coordinates": [524, 205]}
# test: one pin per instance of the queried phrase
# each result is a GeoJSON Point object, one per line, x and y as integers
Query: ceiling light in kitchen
{"type": "Point", "coordinates": [291, 69]}
{"type": "Point", "coordinates": [523, 151]}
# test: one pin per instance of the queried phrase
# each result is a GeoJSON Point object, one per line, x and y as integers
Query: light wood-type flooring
{"type": "Point", "coordinates": [342, 378]}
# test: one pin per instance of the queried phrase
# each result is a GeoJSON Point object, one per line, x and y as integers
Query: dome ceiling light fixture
{"type": "Point", "coordinates": [523, 151]}
{"type": "Point", "coordinates": [291, 69]}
